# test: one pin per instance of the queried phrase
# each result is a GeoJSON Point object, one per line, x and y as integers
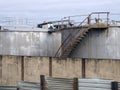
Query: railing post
{"type": "Point", "coordinates": [114, 85]}
{"type": "Point", "coordinates": [75, 84]}
{"type": "Point", "coordinates": [42, 82]}
{"type": "Point", "coordinates": [88, 22]}
{"type": "Point", "coordinates": [107, 18]}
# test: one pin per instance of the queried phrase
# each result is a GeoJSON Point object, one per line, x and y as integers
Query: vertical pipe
{"type": "Point", "coordinates": [75, 84]}
{"type": "Point", "coordinates": [83, 68]}
{"type": "Point", "coordinates": [22, 68]}
{"type": "Point", "coordinates": [42, 82]}
{"type": "Point", "coordinates": [50, 66]}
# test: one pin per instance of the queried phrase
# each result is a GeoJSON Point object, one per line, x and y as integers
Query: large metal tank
{"type": "Point", "coordinates": [29, 42]}
{"type": "Point", "coordinates": [100, 44]}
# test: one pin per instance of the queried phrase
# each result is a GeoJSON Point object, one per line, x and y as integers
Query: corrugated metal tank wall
{"type": "Point", "coordinates": [100, 44]}
{"type": "Point", "coordinates": [29, 43]}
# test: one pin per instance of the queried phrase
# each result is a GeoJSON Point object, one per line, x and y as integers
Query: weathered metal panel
{"type": "Point", "coordinates": [94, 84]}
{"type": "Point", "coordinates": [8, 87]}
{"type": "Point", "coordinates": [29, 43]}
{"type": "Point", "coordinates": [59, 84]}
{"type": "Point", "coordinates": [118, 85]}
{"type": "Point", "coordinates": [23, 85]}
{"type": "Point", "coordinates": [100, 44]}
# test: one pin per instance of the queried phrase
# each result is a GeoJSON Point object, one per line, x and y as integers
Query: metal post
{"type": "Point", "coordinates": [75, 86]}
{"type": "Point", "coordinates": [83, 68]}
{"type": "Point", "coordinates": [50, 66]}
{"type": "Point", "coordinates": [1, 68]}
{"type": "Point", "coordinates": [42, 81]}
{"type": "Point", "coordinates": [98, 18]}
{"type": "Point", "coordinates": [22, 68]}
{"type": "Point", "coordinates": [114, 85]}
{"type": "Point", "coordinates": [107, 18]}
{"type": "Point", "coordinates": [88, 22]}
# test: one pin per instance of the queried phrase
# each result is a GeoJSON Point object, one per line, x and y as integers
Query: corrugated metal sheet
{"type": "Point", "coordinates": [94, 84]}
{"type": "Point", "coordinates": [118, 85]}
{"type": "Point", "coordinates": [29, 43]}
{"type": "Point", "coordinates": [64, 84]}
{"type": "Point", "coordinates": [29, 86]}
{"type": "Point", "coordinates": [59, 84]}
{"type": "Point", "coordinates": [8, 87]}
{"type": "Point", "coordinates": [99, 44]}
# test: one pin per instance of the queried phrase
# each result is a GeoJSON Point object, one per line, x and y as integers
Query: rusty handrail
{"type": "Point", "coordinates": [68, 38]}
{"type": "Point", "coordinates": [62, 44]}
{"type": "Point", "coordinates": [88, 18]}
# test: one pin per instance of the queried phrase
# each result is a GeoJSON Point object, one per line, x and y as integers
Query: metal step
{"type": "Point", "coordinates": [74, 43]}
{"type": "Point", "coordinates": [85, 33]}
{"type": "Point", "coordinates": [80, 38]}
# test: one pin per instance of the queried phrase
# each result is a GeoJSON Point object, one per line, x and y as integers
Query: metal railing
{"type": "Point", "coordinates": [91, 19]}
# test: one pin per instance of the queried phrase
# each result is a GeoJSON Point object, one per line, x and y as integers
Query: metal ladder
{"type": "Point", "coordinates": [76, 36]}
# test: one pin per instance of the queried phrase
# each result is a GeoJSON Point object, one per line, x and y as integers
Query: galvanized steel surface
{"type": "Point", "coordinates": [118, 85]}
{"type": "Point", "coordinates": [29, 43]}
{"type": "Point", "coordinates": [23, 85]}
{"type": "Point", "coordinates": [63, 84]}
{"type": "Point", "coordinates": [94, 84]}
{"type": "Point", "coordinates": [8, 87]}
{"type": "Point", "coordinates": [59, 84]}
{"type": "Point", "coordinates": [100, 44]}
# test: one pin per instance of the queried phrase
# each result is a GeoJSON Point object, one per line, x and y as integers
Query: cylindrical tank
{"type": "Point", "coordinates": [29, 43]}
{"type": "Point", "coordinates": [99, 44]}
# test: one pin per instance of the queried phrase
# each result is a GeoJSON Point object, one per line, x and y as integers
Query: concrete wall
{"type": "Point", "coordinates": [34, 67]}
{"type": "Point", "coordinates": [17, 68]}
{"type": "Point", "coordinates": [67, 68]}
{"type": "Point", "coordinates": [106, 69]}
{"type": "Point", "coordinates": [10, 70]}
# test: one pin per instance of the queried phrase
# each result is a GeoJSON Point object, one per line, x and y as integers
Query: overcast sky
{"type": "Point", "coordinates": [53, 9]}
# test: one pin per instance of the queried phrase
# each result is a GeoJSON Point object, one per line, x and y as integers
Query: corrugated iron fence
{"type": "Point", "coordinates": [28, 86]}
{"type": "Point", "coordinates": [8, 88]}
{"type": "Point", "coordinates": [94, 84]}
{"type": "Point", "coordinates": [23, 85]}
{"type": "Point", "coordinates": [65, 84]}
{"type": "Point", "coordinates": [76, 84]}
{"type": "Point", "coordinates": [59, 84]}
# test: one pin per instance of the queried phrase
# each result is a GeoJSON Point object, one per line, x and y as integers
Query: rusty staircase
{"type": "Point", "coordinates": [78, 33]}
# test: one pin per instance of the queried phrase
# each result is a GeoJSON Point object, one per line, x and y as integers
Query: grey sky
{"type": "Point", "coordinates": [53, 9]}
